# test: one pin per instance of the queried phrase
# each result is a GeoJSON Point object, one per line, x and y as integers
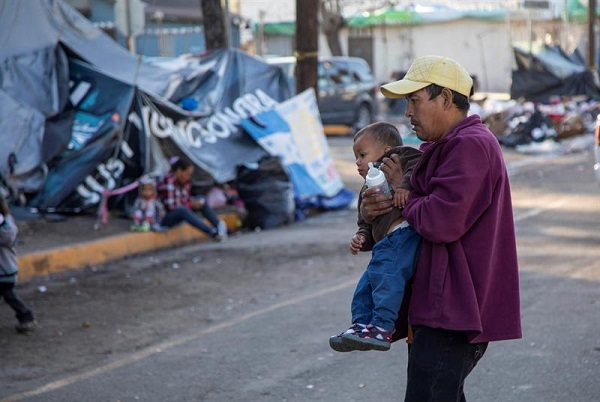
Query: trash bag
{"type": "Point", "coordinates": [267, 192]}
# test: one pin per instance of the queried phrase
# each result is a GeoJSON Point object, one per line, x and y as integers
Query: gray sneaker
{"type": "Point", "coordinates": [222, 230]}
{"type": "Point", "coordinates": [370, 338]}
{"type": "Point", "coordinates": [336, 342]}
{"type": "Point", "coordinates": [26, 326]}
{"type": "Point", "coordinates": [155, 227]}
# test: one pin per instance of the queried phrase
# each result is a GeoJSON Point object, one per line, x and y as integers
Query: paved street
{"type": "Point", "coordinates": [248, 320]}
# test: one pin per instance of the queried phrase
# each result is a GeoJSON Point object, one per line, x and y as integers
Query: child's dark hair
{"type": "Point", "coordinates": [4, 210]}
{"type": "Point", "coordinates": [382, 132]}
{"type": "Point", "coordinates": [179, 164]}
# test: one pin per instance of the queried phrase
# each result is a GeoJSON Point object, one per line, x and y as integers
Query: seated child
{"type": "Point", "coordinates": [147, 209]}
{"type": "Point", "coordinates": [175, 190]}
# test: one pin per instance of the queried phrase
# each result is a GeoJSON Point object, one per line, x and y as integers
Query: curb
{"type": "Point", "coordinates": [111, 248]}
{"type": "Point", "coordinates": [337, 130]}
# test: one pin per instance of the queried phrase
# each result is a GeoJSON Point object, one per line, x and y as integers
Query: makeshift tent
{"type": "Point", "coordinates": [547, 71]}
{"type": "Point", "coordinates": [45, 48]}
{"type": "Point", "coordinates": [80, 116]}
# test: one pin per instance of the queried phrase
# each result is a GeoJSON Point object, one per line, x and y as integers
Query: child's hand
{"type": "Point", "coordinates": [400, 197]}
{"type": "Point", "coordinates": [356, 243]}
{"type": "Point", "coordinates": [198, 203]}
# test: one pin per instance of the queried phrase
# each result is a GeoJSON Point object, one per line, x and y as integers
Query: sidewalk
{"type": "Point", "coordinates": [48, 247]}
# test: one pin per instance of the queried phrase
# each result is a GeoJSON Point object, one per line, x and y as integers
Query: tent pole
{"type": "Point", "coordinates": [130, 42]}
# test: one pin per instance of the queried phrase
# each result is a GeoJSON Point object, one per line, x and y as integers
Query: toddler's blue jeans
{"type": "Point", "coordinates": [380, 289]}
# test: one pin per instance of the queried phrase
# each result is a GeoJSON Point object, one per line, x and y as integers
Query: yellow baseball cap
{"type": "Point", "coordinates": [427, 70]}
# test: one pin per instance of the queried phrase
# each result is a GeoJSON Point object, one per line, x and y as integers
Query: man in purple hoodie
{"type": "Point", "coordinates": [466, 283]}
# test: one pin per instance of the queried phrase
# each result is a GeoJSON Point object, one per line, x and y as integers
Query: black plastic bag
{"type": "Point", "coordinates": [267, 192]}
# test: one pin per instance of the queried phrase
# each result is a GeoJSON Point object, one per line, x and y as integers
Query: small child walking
{"type": "Point", "coordinates": [394, 244]}
{"type": "Point", "coordinates": [147, 208]}
{"type": "Point", "coordinates": [9, 270]}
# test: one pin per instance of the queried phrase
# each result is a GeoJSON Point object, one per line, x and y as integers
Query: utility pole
{"type": "Point", "coordinates": [261, 32]}
{"type": "Point", "coordinates": [227, 20]}
{"type": "Point", "coordinates": [592, 53]}
{"type": "Point", "coordinates": [215, 33]}
{"type": "Point", "coordinates": [130, 20]}
{"type": "Point", "coordinates": [307, 44]}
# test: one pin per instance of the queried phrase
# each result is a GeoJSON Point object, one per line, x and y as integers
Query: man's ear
{"type": "Point", "coordinates": [447, 97]}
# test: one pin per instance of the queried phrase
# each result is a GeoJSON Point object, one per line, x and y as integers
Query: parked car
{"type": "Point", "coordinates": [347, 89]}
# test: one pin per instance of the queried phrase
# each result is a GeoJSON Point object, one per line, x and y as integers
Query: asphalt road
{"type": "Point", "coordinates": [248, 320]}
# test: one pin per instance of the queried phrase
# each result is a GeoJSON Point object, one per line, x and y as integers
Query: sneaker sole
{"type": "Point", "coordinates": [337, 343]}
{"type": "Point", "coordinates": [354, 341]}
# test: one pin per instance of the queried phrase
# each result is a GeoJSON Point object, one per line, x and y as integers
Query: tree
{"type": "Point", "coordinates": [332, 23]}
{"type": "Point", "coordinates": [215, 32]}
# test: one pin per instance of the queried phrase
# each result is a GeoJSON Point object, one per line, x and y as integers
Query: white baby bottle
{"type": "Point", "coordinates": [376, 178]}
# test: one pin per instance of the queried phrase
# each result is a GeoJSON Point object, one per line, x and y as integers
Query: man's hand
{"type": "Point", "coordinates": [392, 169]}
{"type": "Point", "coordinates": [374, 204]}
{"type": "Point", "coordinates": [356, 243]}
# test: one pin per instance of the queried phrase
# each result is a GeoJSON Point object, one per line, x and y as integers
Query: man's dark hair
{"type": "Point", "coordinates": [383, 133]}
{"type": "Point", "coordinates": [461, 101]}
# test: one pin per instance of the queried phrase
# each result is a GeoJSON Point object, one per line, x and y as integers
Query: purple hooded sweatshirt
{"type": "Point", "coordinates": [466, 277]}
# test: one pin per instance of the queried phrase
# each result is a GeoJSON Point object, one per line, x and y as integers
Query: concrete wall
{"type": "Point", "coordinates": [482, 47]}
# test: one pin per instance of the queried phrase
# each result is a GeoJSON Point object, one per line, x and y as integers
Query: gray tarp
{"type": "Point", "coordinates": [34, 78]}
{"type": "Point", "coordinates": [57, 22]}
{"type": "Point", "coordinates": [548, 71]}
